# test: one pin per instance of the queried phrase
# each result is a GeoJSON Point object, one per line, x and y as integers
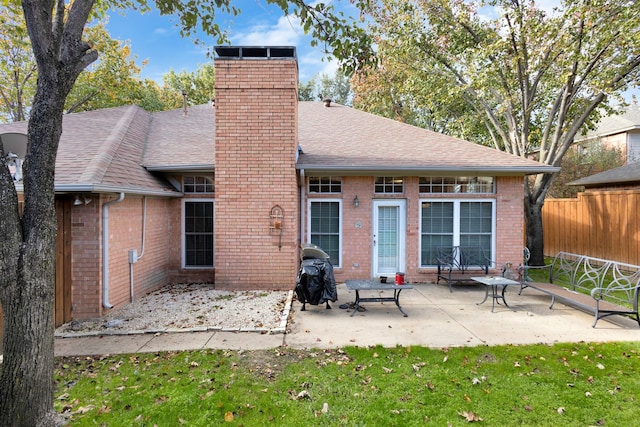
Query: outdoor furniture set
{"type": "Point", "coordinates": [596, 285]}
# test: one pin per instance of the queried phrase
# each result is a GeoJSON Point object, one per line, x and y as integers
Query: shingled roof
{"type": "Point", "coordinates": [127, 149]}
{"type": "Point", "coordinates": [624, 175]}
{"type": "Point", "coordinates": [349, 141]}
{"type": "Point", "coordinates": [626, 121]}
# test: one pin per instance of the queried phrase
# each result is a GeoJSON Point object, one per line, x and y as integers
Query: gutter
{"type": "Point", "coordinates": [105, 250]}
{"type": "Point", "coordinates": [303, 203]}
{"type": "Point", "coordinates": [441, 170]}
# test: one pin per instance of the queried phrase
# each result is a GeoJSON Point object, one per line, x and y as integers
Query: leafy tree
{"type": "Point", "coordinates": [197, 87]}
{"type": "Point", "coordinates": [111, 81]}
{"type": "Point", "coordinates": [533, 79]}
{"type": "Point", "coordinates": [27, 242]}
{"type": "Point", "coordinates": [17, 68]}
{"type": "Point", "coordinates": [581, 161]}
{"type": "Point", "coordinates": [323, 86]}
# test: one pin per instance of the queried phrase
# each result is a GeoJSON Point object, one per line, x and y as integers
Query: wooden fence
{"type": "Point", "coordinates": [601, 224]}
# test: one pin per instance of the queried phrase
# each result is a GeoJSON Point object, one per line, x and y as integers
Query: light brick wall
{"type": "Point", "coordinates": [125, 233]}
{"type": "Point", "coordinates": [510, 220]}
{"type": "Point", "coordinates": [356, 241]}
{"type": "Point", "coordinates": [256, 142]}
{"type": "Point", "coordinates": [86, 261]}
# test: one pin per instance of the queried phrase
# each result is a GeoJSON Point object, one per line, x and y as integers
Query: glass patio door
{"type": "Point", "coordinates": [389, 237]}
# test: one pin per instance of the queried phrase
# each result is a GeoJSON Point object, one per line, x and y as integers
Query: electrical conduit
{"type": "Point", "coordinates": [137, 257]}
{"type": "Point", "coordinates": [105, 250]}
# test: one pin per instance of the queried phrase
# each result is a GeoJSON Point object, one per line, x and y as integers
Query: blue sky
{"type": "Point", "coordinates": [156, 39]}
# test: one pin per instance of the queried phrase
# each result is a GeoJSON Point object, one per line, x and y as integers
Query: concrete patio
{"type": "Point", "coordinates": [436, 318]}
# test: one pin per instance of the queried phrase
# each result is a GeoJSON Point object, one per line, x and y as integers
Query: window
{"type": "Point", "coordinates": [197, 184]}
{"type": "Point", "coordinates": [325, 184]}
{"type": "Point", "coordinates": [457, 184]}
{"type": "Point", "coordinates": [389, 184]}
{"type": "Point", "coordinates": [198, 233]}
{"type": "Point", "coordinates": [325, 227]}
{"type": "Point", "coordinates": [455, 223]}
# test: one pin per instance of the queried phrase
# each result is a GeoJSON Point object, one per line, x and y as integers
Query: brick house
{"type": "Point", "coordinates": [227, 193]}
{"type": "Point", "coordinates": [621, 131]}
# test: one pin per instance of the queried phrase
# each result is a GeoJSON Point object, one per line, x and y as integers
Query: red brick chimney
{"type": "Point", "coordinates": [256, 201]}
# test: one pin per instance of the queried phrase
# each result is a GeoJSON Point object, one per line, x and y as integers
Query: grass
{"type": "Point", "coordinates": [565, 384]}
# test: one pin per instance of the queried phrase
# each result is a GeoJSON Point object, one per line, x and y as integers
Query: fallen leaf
{"type": "Point", "coordinates": [84, 409]}
{"type": "Point", "coordinates": [470, 417]}
{"type": "Point", "coordinates": [304, 394]}
{"type": "Point", "coordinates": [228, 417]}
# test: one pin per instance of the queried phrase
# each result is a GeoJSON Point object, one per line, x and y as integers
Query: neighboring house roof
{"type": "Point", "coordinates": [627, 121]}
{"type": "Point", "coordinates": [349, 141]}
{"type": "Point", "coordinates": [116, 149]}
{"type": "Point", "coordinates": [627, 174]}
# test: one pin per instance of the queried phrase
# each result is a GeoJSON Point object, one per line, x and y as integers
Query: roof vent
{"type": "Point", "coordinates": [255, 52]}
{"type": "Point", "coordinates": [327, 102]}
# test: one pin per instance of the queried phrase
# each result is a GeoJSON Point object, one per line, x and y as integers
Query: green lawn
{"type": "Point", "coordinates": [564, 384]}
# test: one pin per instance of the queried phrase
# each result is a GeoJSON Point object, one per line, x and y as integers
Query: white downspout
{"type": "Point", "coordinates": [133, 257]}
{"type": "Point", "coordinates": [303, 207]}
{"type": "Point", "coordinates": [105, 250]}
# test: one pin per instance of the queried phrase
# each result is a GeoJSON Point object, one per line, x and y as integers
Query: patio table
{"type": "Point", "coordinates": [376, 285]}
{"type": "Point", "coordinates": [493, 282]}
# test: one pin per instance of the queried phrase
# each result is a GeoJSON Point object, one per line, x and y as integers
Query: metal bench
{"type": "Point", "coordinates": [457, 264]}
{"type": "Point", "coordinates": [596, 285]}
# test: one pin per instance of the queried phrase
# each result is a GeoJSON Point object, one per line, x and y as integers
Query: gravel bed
{"type": "Point", "coordinates": [189, 307]}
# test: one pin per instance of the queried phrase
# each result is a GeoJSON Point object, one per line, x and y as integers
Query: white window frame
{"type": "Point", "coordinates": [340, 232]}
{"type": "Point", "coordinates": [205, 177]}
{"type": "Point", "coordinates": [456, 223]}
{"type": "Point", "coordinates": [385, 185]}
{"type": "Point", "coordinates": [334, 181]}
{"type": "Point", "coordinates": [184, 236]}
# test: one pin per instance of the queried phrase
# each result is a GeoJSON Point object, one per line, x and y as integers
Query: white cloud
{"type": "Point", "coordinates": [286, 32]}
{"type": "Point", "coordinates": [161, 31]}
{"type": "Point", "coordinates": [313, 62]}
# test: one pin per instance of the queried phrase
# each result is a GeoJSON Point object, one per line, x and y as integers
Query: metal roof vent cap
{"type": "Point", "coordinates": [327, 102]}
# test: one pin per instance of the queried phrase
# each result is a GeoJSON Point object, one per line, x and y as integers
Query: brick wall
{"type": "Point", "coordinates": [86, 261]}
{"type": "Point", "coordinates": [510, 220]}
{"type": "Point", "coordinates": [357, 226]}
{"type": "Point", "coordinates": [125, 233]}
{"type": "Point", "coordinates": [256, 141]}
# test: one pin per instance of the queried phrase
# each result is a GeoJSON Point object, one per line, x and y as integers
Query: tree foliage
{"type": "Point", "coordinates": [197, 86]}
{"type": "Point", "coordinates": [581, 161]}
{"type": "Point", "coordinates": [504, 72]}
{"type": "Point", "coordinates": [113, 80]}
{"type": "Point", "coordinates": [17, 67]}
{"type": "Point", "coordinates": [323, 86]}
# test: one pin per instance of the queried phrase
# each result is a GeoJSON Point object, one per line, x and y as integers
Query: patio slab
{"type": "Point", "coordinates": [436, 318]}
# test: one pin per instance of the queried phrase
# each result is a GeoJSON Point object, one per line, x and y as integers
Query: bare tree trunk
{"type": "Point", "coordinates": [26, 383]}
{"type": "Point", "coordinates": [535, 234]}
